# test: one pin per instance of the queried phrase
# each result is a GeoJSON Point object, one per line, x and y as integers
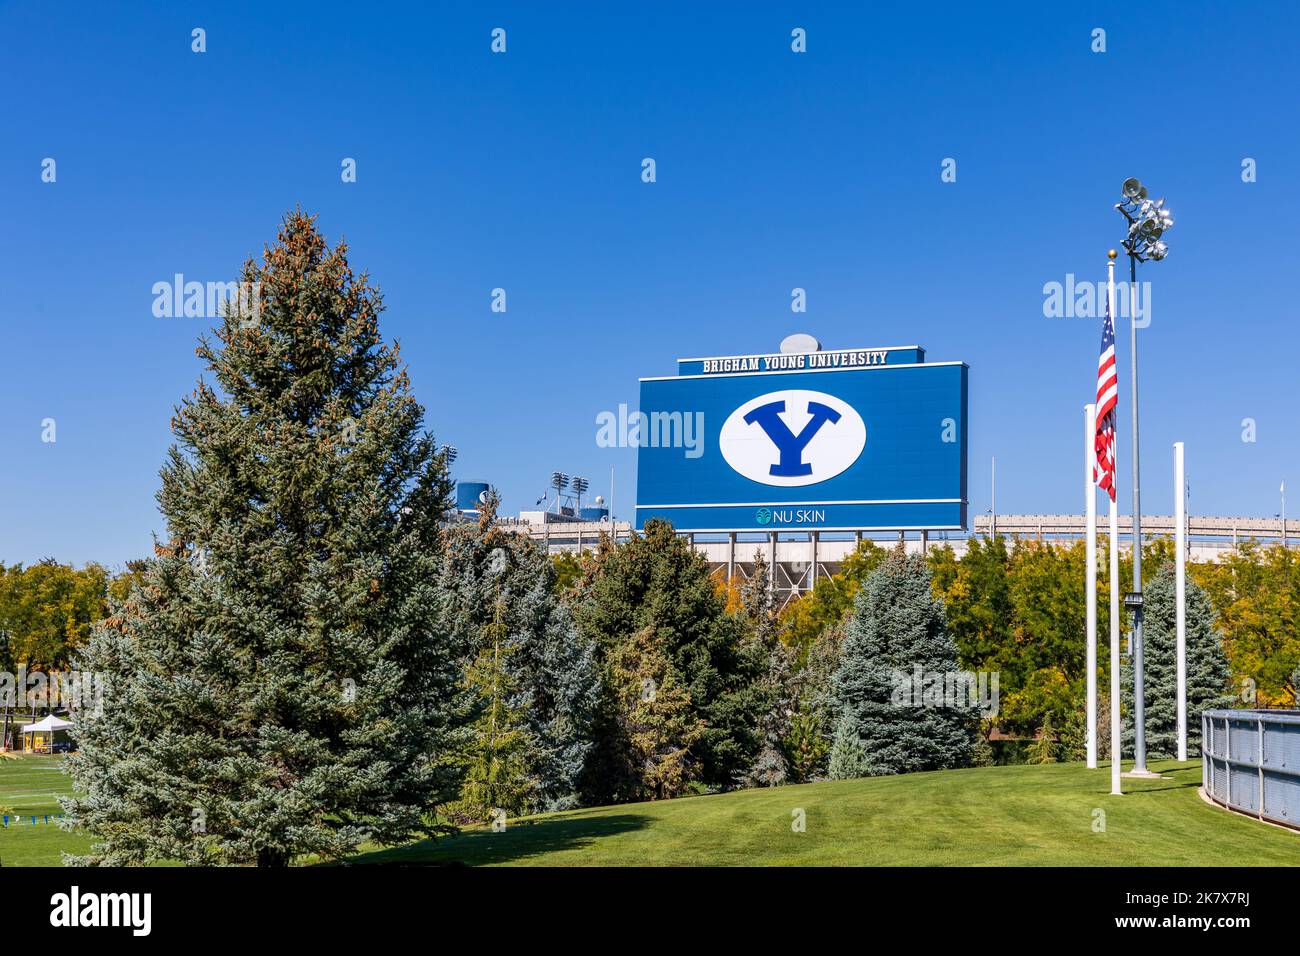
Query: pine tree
{"type": "Point", "coordinates": [654, 717]}
{"type": "Point", "coordinates": [281, 683]}
{"type": "Point", "coordinates": [982, 754]}
{"type": "Point", "coordinates": [758, 606]}
{"type": "Point", "coordinates": [806, 744]}
{"type": "Point", "coordinates": [498, 776]}
{"type": "Point", "coordinates": [657, 581]}
{"type": "Point", "coordinates": [1208, 675]}
{"type": "Point", "coordinates": [897, 628]}
{"type": "Point", "coordinates": [773, 688]}
{"type": "Point", "coordinates": [1044, 747]}
{"type": "Point", "coordinates": [1073, 739]}
{"type": "Point", "coordinates": [549, 667]}
{"type": "Point", "coordinates": [848, 759]}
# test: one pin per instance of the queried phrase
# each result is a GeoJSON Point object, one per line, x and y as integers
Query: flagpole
{"type": "Point", "coordinates": [1180, 586]}
{"type": "Point", "coordinates": [1115, 741]}
{"type": "Point", "coordinates": [1090, 510]}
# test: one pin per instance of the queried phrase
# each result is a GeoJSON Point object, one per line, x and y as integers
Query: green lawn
{"type": "Point", "coordinates": [1021, 815]}
{"type": "Point", "coordinates": [30, 785]}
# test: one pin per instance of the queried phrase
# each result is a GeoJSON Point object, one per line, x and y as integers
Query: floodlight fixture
{"type": "Point", "coordinates": [1147, 222]}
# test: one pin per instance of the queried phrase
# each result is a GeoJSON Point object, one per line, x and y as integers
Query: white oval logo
{"type": "Point", "coordinates": [792, 437]}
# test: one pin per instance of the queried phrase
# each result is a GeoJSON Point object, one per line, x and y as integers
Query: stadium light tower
{"type": "Point", "coordinates": [580, 486]}
{"type": "Point", "coordinates": [1147, 222]}
{"type": "Point", "coordinates": [559, 481]}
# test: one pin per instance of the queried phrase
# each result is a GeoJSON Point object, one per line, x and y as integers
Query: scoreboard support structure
{"type": "Point", "coordinates": [796, 560]}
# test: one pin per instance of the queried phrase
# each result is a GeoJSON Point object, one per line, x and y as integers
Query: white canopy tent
{"type": "Point", "coordinates": [46, 725]}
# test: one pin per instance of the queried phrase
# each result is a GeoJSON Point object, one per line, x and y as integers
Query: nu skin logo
{"type": "Point", "coordinates": [792, 437]}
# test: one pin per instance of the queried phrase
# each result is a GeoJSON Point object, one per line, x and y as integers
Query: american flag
{"type": "Point", "coordinates": [1103, 471]}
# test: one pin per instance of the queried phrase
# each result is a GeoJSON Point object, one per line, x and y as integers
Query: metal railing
{"type": "Point", "coordinates": [1252, 762]}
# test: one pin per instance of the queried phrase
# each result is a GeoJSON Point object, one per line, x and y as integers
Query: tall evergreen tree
{"type": "Point", "coordinates": [898, 626]}
{"type": "Point", "coordinates": [658, 581]}
{"type": "Point", "coordinates": [499, 776]}
{"type": "Point", "coordinates": [1208, 675]}
{"type": "Point", "coordinates": [504, 606]}
{"type": "Point", "coordinates": [773, 688]}
{"type": "Point", "coordinates": [808, 742]}
{"type": "Point", "coordinates": [654, 717]}
{"type": "Point", "coordinates": [281, 683]}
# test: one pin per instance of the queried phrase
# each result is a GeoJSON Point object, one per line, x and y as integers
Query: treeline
{"type": "Point", "coordinates": [47, 610]}
{"type": "Point", "coordinates": [632, 673]}
{"type": "Point", "coordinates": [1016, 608]}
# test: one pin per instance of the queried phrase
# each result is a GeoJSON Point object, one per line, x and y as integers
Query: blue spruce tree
{"type": "Point", "coordinates": [1209, 677]}
{"type": "Point", "coordinates": [501, 591]}
{"type": "Point", "coordinates": [848, 759]}
{"type": "Point", "coordinates": [280, 681]}
{"type": "Point", "coordinates": [895, 665]}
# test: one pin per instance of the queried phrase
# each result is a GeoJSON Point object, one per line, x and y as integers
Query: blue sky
{"type": "Point", "coordinates": [775, 170]}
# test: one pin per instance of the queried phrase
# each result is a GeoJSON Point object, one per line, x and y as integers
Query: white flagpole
{"type": "Point", "coordinates": [1090, 510]}
{"type": "Point", "coordinates": [1115, 741]}
{"type": "Point", "coordinates": [1115, 745]}
{"type": "Point", "coordinates": [1180, 579]}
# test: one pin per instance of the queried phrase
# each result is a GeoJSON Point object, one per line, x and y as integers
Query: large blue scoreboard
{"type": "Point", "coordinates": [844, 440]}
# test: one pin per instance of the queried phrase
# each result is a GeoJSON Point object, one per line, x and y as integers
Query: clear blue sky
{"type": "Point", "coordinates": [775, 170]}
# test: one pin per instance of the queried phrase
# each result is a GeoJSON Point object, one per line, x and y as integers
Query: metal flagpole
{"type": "Point", "coordinates": [1139, 688]}
{"type": "Point", "coordinates": [1115, 742]}
{"type": "Point", "coordinates": [1115, 746]}
{"type": "Point", "coordinates": [1180, 585]}
{"type": "Point", "coordinates": [1090, 509]}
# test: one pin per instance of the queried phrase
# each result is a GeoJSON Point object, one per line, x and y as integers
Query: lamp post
{"type": "Point", "coordinates": [1147, 221]}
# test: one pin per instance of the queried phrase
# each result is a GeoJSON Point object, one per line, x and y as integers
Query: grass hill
{"type": "Point", "coordinates": [994, 816]}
